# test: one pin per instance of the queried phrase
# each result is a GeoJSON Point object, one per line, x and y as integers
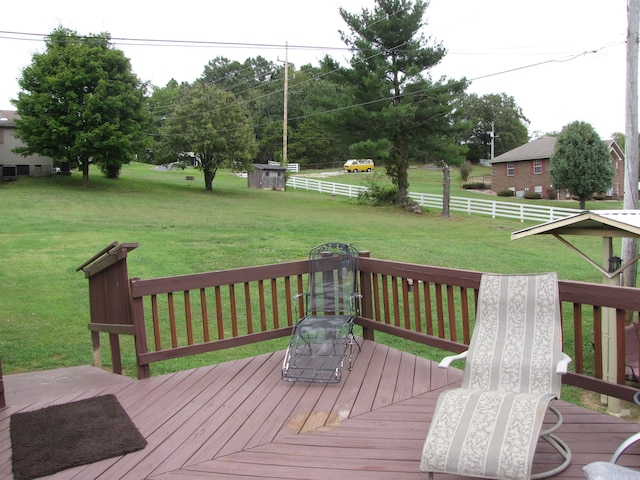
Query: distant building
{"type": "Point", "coordinates": [270, 177]}
{"type": "Point", "coordinates": [527, 169]}
{"type": "Point", "coordinates": [12, 164]}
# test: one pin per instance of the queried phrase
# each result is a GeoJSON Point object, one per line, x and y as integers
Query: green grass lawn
{"type": "Point", "coordinates": [50, 226]}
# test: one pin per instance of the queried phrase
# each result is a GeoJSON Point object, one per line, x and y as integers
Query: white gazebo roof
{"type": "Point", "coordinates": [607, 224]}
{"type": "Point", "coordinates": [599, 223]}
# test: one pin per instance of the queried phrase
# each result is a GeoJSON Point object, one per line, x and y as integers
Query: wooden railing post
{"type": "Point", "coordinates": [109, 299]}
{"type": "Point", "coordinates": [3, 400]}
{"type": "Point", "coordinates": [140, 340]}
{"type": "Point", "coordinates": [366, 300]}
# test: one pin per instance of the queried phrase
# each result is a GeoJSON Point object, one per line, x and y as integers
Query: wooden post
{"type": "Point", "coordinates": [3, 401]}
{"type": "Point", "coordinates": [366, 301]}
{"type": "Point", "coordinates": [610, 333]}
{"type": "Point", "coordinates": [109, 299]}
{"type": "Point", "coordinates": [630, 245]}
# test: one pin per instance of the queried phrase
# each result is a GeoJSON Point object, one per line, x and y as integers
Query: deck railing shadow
{"type": "Point", "coordinates": [178, 316]}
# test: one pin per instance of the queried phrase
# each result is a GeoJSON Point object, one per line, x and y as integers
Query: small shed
{"type": "Point", "coordinates": [269, 177]}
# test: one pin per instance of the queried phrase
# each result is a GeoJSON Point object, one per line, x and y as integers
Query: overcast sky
{"type": "Point", "coordinates": [561, 60]}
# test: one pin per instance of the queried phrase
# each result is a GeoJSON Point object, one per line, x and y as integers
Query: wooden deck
{"type": "Point", "coordinates": [239, 420]}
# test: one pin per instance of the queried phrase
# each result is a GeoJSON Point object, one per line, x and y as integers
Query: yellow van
{"type": "Point", "coordinates": [359, 165]}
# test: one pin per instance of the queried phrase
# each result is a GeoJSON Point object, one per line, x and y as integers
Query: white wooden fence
{"type": "Point", "coordinates": [291, 167]}
{"type": "Point", "coordinates": [493, 208]}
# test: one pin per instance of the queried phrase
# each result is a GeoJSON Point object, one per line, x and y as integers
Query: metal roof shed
{"type": "Point", "coordinates": [268, 177]}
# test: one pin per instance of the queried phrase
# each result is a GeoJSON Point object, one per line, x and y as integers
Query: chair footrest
{"type": "Point", "coordinates": [457, 430]}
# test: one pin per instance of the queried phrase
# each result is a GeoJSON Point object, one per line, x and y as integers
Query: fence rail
{"type": "Point", "coordinates": [492, 208]}
{"type": "Point", "coordinates": [321, 186]}
{"type": "Point", "coordinates": [291, 167]}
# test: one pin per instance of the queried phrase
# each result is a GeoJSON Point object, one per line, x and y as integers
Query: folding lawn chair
{"type": "Point", "coordinates": [324, 335]}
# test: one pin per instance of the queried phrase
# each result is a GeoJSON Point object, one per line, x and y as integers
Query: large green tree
{"type": "Point", "coordinates": [581, 162]}
{"type": "Point", "coordinates": [214, 126]}
{"type": "Point", "coordinates": [397, 105]}
{"type": "Point", "coordinates": [493, 113]}
{"type": "Point", "coordinates": [81, 103]}
{"type": "Point", "coordinates": [259, 85]}
{"type": "Point", "coordinates": [161, 104]}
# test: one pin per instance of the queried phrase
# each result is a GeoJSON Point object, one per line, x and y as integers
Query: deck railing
{"type": "Point", "coordinates": [3, 401]}
{"type": "Point", "coordinates": [185, 315]}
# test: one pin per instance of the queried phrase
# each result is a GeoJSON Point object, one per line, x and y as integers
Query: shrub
{"type": "Point", "coordinates": [465, 170]}
{"type": "Point", "coordinates": [532, 196]}
{"type": "Point", "coordinates": [378, 193]}
{"type": "Point", "coordinates": [475, 186]}
{"type": "Point", "coordinates": [506, 193]}
{"type": "Point", "coordinates": [111, 170]}
{"type": "Point", "coordinates": [551, 194]}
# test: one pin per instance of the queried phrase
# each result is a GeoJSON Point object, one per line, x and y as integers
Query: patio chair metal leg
{"type": "Point", "coordinates": [352, 340]}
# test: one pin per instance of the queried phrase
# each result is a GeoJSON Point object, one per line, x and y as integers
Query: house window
{"type": "Point", "coordinates": [537, 167]}
{"type": "Point", "coordinates": [511, 169]}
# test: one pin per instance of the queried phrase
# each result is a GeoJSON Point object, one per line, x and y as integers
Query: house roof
{"type": "Point", "coordinates": [600, 223]}
{"type": "Point", "coordinates": [537, 149]}
{"type": "Point", "coordinates": [265, 166]}
{"type": "Point", "coordinates": [7, 118]}
{"type": "Point", "coordinates": [544, 147]}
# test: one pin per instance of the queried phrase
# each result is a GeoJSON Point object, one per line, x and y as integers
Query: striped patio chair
{"type": "Point", "coordinates": [490, 426]}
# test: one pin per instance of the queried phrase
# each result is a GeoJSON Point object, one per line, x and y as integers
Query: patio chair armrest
{"type": "Point", "coordinates": [624, 445]}
{"type": "Point", "coordinates": [563, 364]}
{"type": "Point", "coordinates": [446, 361]}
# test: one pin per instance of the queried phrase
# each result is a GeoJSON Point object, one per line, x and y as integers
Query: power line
{"type": "Point", "coordinates": [24, 36]}
{"type": "Point", "coordinates": [419, 92]}
{"type": "Point", "coordinates": [149, 42]}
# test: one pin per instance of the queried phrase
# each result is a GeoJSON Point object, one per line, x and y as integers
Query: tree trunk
{"type": "Point", "coordinates": [402, 169]}
{"type": "Point", "coordinates": [209, 175]}
{"type": "Point", "coordinates": [582, 202]}
{"type": "Point", "coordinates": [84, 167]}
{"type": "Point", "coordinates": [403, 188]}
{"type": "Point", "coordinates": [208, 181]}
{"type": "Point", "coordinates": [446, 190]}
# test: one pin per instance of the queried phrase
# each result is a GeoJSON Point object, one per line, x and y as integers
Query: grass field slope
{"type": "Point", "coordinates": [50, 226]}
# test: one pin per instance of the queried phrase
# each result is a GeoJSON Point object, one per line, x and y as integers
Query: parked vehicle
{"type": "Point", "coordinates": [359, 165]}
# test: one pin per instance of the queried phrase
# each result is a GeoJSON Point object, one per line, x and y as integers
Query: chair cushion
{"type": "Point", "coordinates": [609, 471]}
{"type": "Point", "coordinates": [484, 433]}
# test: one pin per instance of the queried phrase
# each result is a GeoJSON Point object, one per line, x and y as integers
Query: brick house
{"type": "Point", "coordinates": [527, 169]}
{"type": "Point", "coordinates": [13, 165]}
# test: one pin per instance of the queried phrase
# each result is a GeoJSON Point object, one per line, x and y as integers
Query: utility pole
{"type": "Point", "coordinates": [630, 245]}
{"type": "Point", "coordinates": [286, 105]}
{"type": "Point", "coordinates": [493, 139]}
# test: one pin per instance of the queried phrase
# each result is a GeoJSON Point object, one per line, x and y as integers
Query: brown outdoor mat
{"type": "Point", "coordinates": [63, 436]}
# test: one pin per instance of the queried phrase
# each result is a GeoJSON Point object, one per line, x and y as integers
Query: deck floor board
{"type": "Point", "coordinates": [239, 420]}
